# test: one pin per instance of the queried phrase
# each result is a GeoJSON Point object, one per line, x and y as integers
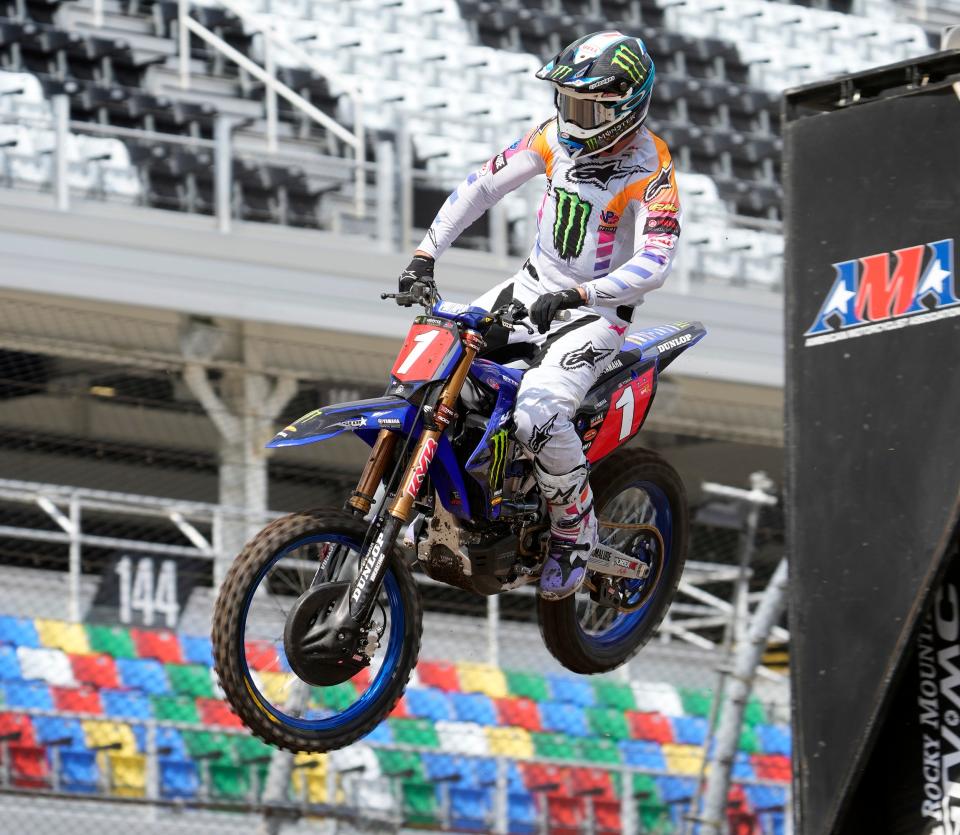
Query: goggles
{"type": "Point", "coordinates": [586, 114]}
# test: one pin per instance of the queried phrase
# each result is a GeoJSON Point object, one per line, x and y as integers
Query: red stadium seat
{"type": "Point", "coordinates": [771, 766]}
{"type": "Point", "coordinates": [565, 815]}
{"type": "Point", "coordinates": [29, 768]}
{"type": "Point", "coordinates": [584, 779]}
{"type": "Point", "coordinates": [518, 711]}
{"type": "Point", "coordinates": [162, 645]}
{"type": "Point", "coordinates": [11, 723]}
{"type": "Point", "coordinates": [400, 710]}
{"type": "Point", "coordinates": [77, 700]}
{"type": "Point", "coordinates": [439, 675]}
{"type": "Point", "coordinates": [262, 655]}
{"type": "Point", "coordinates": [607, 816]}
{"type": "Point", "coordinates": [215, 712]}
{"type": "Point", "coordinates": [654, 727]}
{"type": "Point", "coordinates": [96, 670]}
{"type": "Point", "coordinates": [362, 679]}
{"type": "Point", "coordinates": [537, 775]}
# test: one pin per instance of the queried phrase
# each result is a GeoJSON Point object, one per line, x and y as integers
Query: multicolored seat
{"type": "Point", "coordinates": [145, 674]}
{"type": "Point", "coordinates": [474, 707]}
{"type": "Point", "coordinates": [160, 645]}
{"type": "Point", "coordinates": [179, 779]}
{"type": "Point", "coordinates": [18, 632]}
{"type": "Point", "coordinates": [96, 669]}
{"type": "Point", "coordinates": [66, 637]}
{"type": "Point", "coordinates": [79, 771]}
{"type": "Point", "coordinates": [429, 703]}
{"type": "Point", "coordinates": [77, 700]}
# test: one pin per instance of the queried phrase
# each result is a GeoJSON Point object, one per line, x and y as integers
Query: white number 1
{"type": "Point", "coordinates": [423, 341]}
{"type": "Point", "coordinates": [625, 402]}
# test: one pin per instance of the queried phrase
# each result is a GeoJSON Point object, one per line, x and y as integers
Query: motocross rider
{"type": "Point", "coordinates": [607, 228]}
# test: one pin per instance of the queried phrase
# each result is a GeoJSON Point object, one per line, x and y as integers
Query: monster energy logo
{"type": "Point", "coordinates": [561, 71]}
{"type": "Point", "coordinates": [570, 227]}
{"type": "Point", "coordinates": [628, 61]}
{"type": "Point", "coordinates": [498, 462]}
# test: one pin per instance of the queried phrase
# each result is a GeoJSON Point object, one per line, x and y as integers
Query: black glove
{"type": "Point", "coordinates": [548, 305]}
{"type": "Point", "coordinates": [420, 269]}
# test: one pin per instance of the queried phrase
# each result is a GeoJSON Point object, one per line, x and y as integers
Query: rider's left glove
{"type": "Point", "coordinates": [548, 305]}
{"type": "Point", "coordinates": [420, 269]}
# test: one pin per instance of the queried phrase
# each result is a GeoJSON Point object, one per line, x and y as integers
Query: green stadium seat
{"type": "Point", "coordinates": [229, 781]}
{"type": "Point", "coordinates": [111, 640]}
{"type": "Point", "coordinates": [531, 685]}
{"type": "Point", "coordinates": [338, 697]}
{"type": "Point", "coordinates": [696, 700]}
{"type": "Point", "coordinates": [599, 750]}
{"type": "Point", "coordinates": [420, 732]}
{"type": "Point", "coordinates": [190, 680]}
{"type": "Point", "coordinates": [400, 762]}
{"type": "Point", "coordinates": [608, 722]}
{"type": "Point", "coordinates": [175, 709]}
{"type": "Point", "coordinates": [556, 746]}
{"type": "Point", "coordinates": [203, 743]}
{"type": "Point", "coordinates": [749, 741]}
{"type": "Point", "coordinates": [753, 712]}
{"type": "Point", "coordinates": [250, 748]}
{"type": "Point", "coordinates": [420, 807]}
{"type": "Point", "coordinates": [614, 694]}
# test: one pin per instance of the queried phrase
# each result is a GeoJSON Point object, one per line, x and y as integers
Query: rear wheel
{"type": "Point", "coordinates": [288, 557]}
{"type": "Point", "coordinates": [635, 490]}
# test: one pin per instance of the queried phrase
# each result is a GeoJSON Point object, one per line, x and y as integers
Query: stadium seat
{"type": "Point", "coordinates": [216, 712]}
{"type": "Point", "coordinates": [420, 806]}
{"type": "Point", "coordinates": [77, 700]}
{"type": "Point", "coordinates": [160, 645]}
{"type": "Point", "coordinates": [696, 700]}
{"type": "Point", "coordinates": [98, 670]}
{"type": "Point", "coordinates": [447, 767]}
{"type": "Point", "coordinates": [522, 815]}
{"type": "Point", "coordinates": [128, 774]}
{"type": "Point", "coordinates": [144, 674]}
{"type": "Point", "coordinates": [766, 797]}
{"type": "Point", "coordinates": [689, 730]}
{"type": "Point", "coordinates": [18, 632]}
{"type": "Point", "coordinates": [644, 754]}
{"type": "Point", "coordinates": [112, 640]}
{"type": "Point", "coordinates": [551, 780]}
{"type": "Point", "coordinates": [394, 763]}
{"type": "Point", "coordinates": [464, 738]}
{"type": "Point", "coordinates": [658, 697]}
{"type": "Point", "coordinates": [608, 722]}
{"type": "Point", "coordinates": [201, 744]}
{"type": "Point", "coordinates": [599, 750]}
{"type": "Point", "coordinates": [125, 704]}
{"type": "Point", "coordinates": [419, 732]}
{"type": "Point", "coordinates": [588, 779]}
{"type": "Point", "coordinates": [337, 697]}
{"type": "Point", "coordinates": [381, 734]}
{"type": "Point", "coordinates": [179, 779]}
{"type": "Point", "coordinates": [519, 711]}
{"type": "Point", "coordinates": [101, 734]}
{"type": "Point", "coordinates": [175, 709]}
{"type": "Point", "coordinates": [474, 707]}
{"type": "Point", "coordinates": [771, 766]}
{"type": "Point", "coordinates": [67, 637]}
{"type": "Point", "coordinates": [566, 815]}
{"type": "Point", "coordinates": [529, 685]}
{"type": "Point", "coordinates": [773, 739]}
{"type": "Point", "coordinates": [169, 743]}
{"type": "Point", "coordinates": [48, 729]}
{"type": "Point", "coordinates": [683, 759]}
{"type": "Point", "coordinates": [749, 742]}
{"type": "Point", "coordinates": [607, 816]}
{"type": "Point", "coordinates": [429, 703]}
{"type": "Point", "coordinates": [49, 665]}
{"type": "Point", "coordinates": [276, 688]}
{"type": "Point", "coordinates": [263, 655]}
{"type": "Point", "coordinates": [29, 768]}
{"type": "Point", "coordinates": [196, 650]}
{"type": "Point", "coordinates": [742, 768]}
{"type": "Point", "coordinates": [27, 694]}
{"type": "Point", "coordinates": [471, 809]}
{"type": "Point", "coordinates": [437, 674]}
{"type": "Point", "coordinates": [232, 782]}
{"type": "Point", "coordinates": [508, 742]}
{"type": "Point", "coordinates": [79, 771]}
{"type": "Point", "coordinates": [564, 718]}
{"type": "Point", "coordinates": [482, 678]}
{"type": "Point", "coordinates": [564, 688]}
{"type": "Point", "coordinates": [9, 665]}
{"type": "Point", "coordinates": [190, 680]}
{"type": "Point", "coordinates": [17, 723]}
{"type": "Point", "coordinates": [614, 695]}
{"type": "Point", "coordinates": [555, 746]}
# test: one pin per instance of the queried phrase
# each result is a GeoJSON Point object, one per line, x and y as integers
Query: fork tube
{"type": "Point", "coordinates": [426, 446]}
{"type": "Point", "coordinates": [372, 474]}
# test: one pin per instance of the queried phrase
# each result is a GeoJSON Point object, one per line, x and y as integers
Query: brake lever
{"type": "Point", "coordinates": [402, 299]}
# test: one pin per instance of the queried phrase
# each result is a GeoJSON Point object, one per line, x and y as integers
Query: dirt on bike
{"type": "Point", "coordinates": [318, 622]}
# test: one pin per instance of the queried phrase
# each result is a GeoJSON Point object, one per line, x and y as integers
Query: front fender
{"type": "Point", "coordinates": [360, 416]}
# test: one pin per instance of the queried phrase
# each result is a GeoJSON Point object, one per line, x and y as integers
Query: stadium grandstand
{"type": "Point", "coordinates": [200, 203]}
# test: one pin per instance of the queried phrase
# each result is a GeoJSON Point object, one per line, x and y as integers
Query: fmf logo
{"type": "Point", "coordinates": [421, 467]}
{"type": "Point", "coordinates": [867, 297]}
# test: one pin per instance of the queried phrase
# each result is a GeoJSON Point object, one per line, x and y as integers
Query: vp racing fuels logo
{"type": "Point", "coordinates": [570, 226]}
{"type": "Point", "coordinates": [868, 297]}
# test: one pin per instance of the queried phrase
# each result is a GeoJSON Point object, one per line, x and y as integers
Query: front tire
{"type": "Point", "coordinates": [241, 637]}
{"type": "Point", "coordinates": [624, 473]}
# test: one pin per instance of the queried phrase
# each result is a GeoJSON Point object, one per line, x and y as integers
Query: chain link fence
{"type": "Point", "coordinates": [132, 464]}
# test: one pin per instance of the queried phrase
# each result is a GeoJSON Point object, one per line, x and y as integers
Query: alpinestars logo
{"type": "Point", "coordinates": [601, 172]}
{"type": "Point", "coordinates": [540, 435]}
{"type": "Point", "coordinates": [866, 297]}
{"type": "Point", "coordinates": [570, 226]}
{"type": "Point", "coordinates": [630, 63]}
{"type": "Point", "coordinates": [584, 355]}
{"type": "Point", "coordinates": [659, 183]}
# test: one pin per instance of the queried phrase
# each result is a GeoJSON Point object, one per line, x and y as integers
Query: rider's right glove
{"type": "Point", "coordinates": [420, 269]}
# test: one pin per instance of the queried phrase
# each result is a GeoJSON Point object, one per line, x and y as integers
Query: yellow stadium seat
{"type": "Point", "coordinates": [69, 637]}
{"type": "Point", "coordinates": [100, 733]}
{"type": "Point", "coordinates": [128, 774]}
{"type": "Point", "coordinates": [276, 687]}
{"type": "Point", "coordinates": [482, 678]}
{"type": "Point", "coordinates": [310, 778]}
{"type": "Point", "coordinates": [683, 759]}
{"type": "Point", "coordinates": [510, 742]}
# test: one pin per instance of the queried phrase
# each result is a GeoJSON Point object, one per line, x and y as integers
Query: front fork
{"type": "Point", "coordinates": [373, 562]}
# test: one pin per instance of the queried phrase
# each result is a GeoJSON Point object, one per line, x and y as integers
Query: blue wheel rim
{"type": "Point", "coordinates": [379, 682]}
{"type": "Point", "coordinates": [621, 629]}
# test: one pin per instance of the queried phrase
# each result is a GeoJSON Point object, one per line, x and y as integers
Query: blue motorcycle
{"type": "Point", "coordinates": [318, 622]}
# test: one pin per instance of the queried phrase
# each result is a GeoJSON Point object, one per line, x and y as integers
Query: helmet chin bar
{"type": "Point", "coordinates": [570, 140]}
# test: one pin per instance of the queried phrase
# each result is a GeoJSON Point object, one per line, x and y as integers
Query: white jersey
{"type": "Point", "coordinates": [607, 223]}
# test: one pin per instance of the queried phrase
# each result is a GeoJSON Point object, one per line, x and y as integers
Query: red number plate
{"type": "Point", "coordinates": [422, 353]}
{"type": "Point", "coordinates": [628, 407]}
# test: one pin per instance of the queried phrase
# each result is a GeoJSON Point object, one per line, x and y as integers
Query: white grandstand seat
{"type": "Point", "coordinates": [27, 156]}
{"type": "Point", "coordinates": [699, 195]}
{"type": "Point", "coordinates": [658, 696]}
{"type": "Point", "coordinates": [764, 263]}
{"type": "Point", "coordinates": [49, 665]}
{"type": "Point", "coordinates": [356, 756]}
{"type": "Point", "coordinates": [21, 94]}
{"type": "Point", "coordinates": [462, 738]}
{"type": "Point", "coordinates": [107, 163]}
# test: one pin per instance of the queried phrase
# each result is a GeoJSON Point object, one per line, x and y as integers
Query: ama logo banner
{"type": "Point", "coordinates": [887, 291]}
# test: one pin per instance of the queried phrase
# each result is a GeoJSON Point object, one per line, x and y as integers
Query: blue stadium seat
{"type": "Point", "coordinates": [197, 649]}
{"type": "Point", "coordinates": [381, 733]}
{"type": "Point", "coordinates": [79, 772]}
{"type": "Point", "coordinates": [689, 730]}
{"type": "Point", "coordinates": [20, 632]}
{"type": "Point", "coordinates": [571, 690]}
{"type": "Point", "coordinates": [429, 703]}
{"type": "Point", "coordinates": [171, 740]}
{"type": "Point", "coordinates": [774, 739]}
{"type": "Point", "coordinates": [125, 704]}
{"type": "Point", "coordinates": [676, 789]}
{"type": "Point", "coordinates": [565, 718]}
{"type": "Point", "coordinates": [766, 797]}
{"type": "Point", "coordinates": [471, 809]}
{"type": "Point", "coordinates": [742, 768]}
{"type": "Point", "coordinates": [485, 769]}
{"type": "Point", "coordinates": [9, 666]}
{"type": "Point", "coordinates": [522, 815]}
{"type": "Point", "coordinates": [28, 694]}
{"type": "Point", "coordinates": [443, 766]}
{"type": "Point", "coordinates": [49, 728]}
{"type": "Point", "coordinates": [179, 778]}
{"type": "Point", "coordinates": [643, 753]}
{"type": "Point", "coordinates": [143, 674]}
{"type": "Point", "coordinates": [474, 707]}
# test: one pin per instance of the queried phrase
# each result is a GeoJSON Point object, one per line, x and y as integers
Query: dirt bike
{"type": "Point", "coordinates": [317, 624]}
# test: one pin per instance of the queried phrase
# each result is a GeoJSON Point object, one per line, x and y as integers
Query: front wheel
{"type": "Point", "coordinates": [634, 490]}
{"type": "Point", "coordinates": [277, 566]}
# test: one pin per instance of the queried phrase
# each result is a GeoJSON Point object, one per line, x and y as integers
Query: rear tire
{"type": "Point", "coordinates": [229, 621]}
{"type": "Point", "coordinates": [559, 620]}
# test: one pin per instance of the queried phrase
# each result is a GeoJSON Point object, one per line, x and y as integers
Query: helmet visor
{"type": "Point", "coordinates": [586, 114]}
